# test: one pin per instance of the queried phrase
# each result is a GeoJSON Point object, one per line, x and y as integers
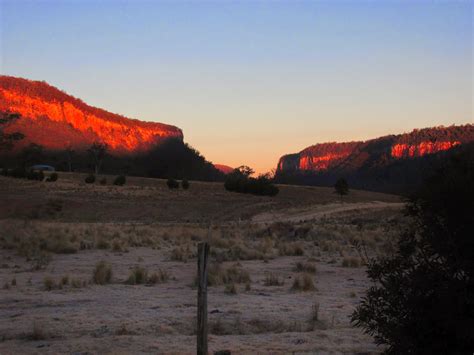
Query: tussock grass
{"type": "Point", "coordinates": [273, 279]}
{"type": "Point", "coordinates": [304, 283]}
{"type": "Point", "coordinates": [102, 273]}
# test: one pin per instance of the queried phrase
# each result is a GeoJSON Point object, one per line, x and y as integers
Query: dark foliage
{"type": "Point", "coordinates": [7, 140]}
{"type": "Point", "coordinates": [120, 180]}
{"type": "Point", "coordinates": [422, 301]}
{"type": "Point", "coordinates": [53, 177]}
{"type": "Point", "coordinates": [103, 181]}
{"type": "Point", "coordinates": [172, 184]}
{"type": "Point", "coordinates": [35, 175]}
{"type": "Point", "coordinates": [241, 181]}
{"type": "Point", "coordinates": [90, 179]}
{"type": "Point", "coordinates": [185, 184]}
{"type": "Point", "coordinates": [341, 186]}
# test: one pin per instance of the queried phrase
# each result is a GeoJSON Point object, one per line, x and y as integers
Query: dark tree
{"type": "Point", "coordinates": [422, 301]}
{"type": "Point", "coordinates": [32, 154]}
{"type": "Point", "coordinates": [7, 140]}
{"type": "Point", "coordinates": [172, 184]}
{"type": "Point", "coordinates": [97, 154]}
{"type": "Point", "coordinates": [342, 187]}
{"type": "Point", "coordinates": [185, 184]}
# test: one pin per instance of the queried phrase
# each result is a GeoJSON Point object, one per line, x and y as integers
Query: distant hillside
{"type": "Point", "coordinates": [56, 120]}
{"type": "Point", "coordinates": [390, 163]}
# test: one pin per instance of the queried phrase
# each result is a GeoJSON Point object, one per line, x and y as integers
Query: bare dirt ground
{"type": "Point", "coordinates": [285, 271]}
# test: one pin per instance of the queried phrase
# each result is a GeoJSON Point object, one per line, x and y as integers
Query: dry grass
{"type": "Point", "coordinates": [273, 279]}
{"type": "Point", "coordinates": [102, 273]}
{"type": "Point", "coordinates": [303, 282]}
{"type": "Point", "coordinates": [305, 267]}
{"type": "Point", "coordinates": [351, 262]}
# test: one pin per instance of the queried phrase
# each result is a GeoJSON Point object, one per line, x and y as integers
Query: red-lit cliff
{"type": "Point", "coordinates": [56, 120]}
{"type": "Point", "coordinates": [344, 158]}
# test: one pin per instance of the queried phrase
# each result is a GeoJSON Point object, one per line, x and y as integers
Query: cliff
{"type": "Point", "coordinates": [56, 120]}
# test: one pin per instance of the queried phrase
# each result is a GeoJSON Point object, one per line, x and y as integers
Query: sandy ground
{"type": "Point", "coordinates": [119, 318]}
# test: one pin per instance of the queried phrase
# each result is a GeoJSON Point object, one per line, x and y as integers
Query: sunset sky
{"type": "Point", "coordinates": [249, 81]}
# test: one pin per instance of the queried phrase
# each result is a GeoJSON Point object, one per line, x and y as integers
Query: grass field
{"type": "Point", "coordinates": [286, 272]}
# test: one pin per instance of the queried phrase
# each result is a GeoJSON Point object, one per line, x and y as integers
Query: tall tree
{"type": "Point", "coordinates": [342, 187]}
{"type": "Point", "coordinates": [97, 152]}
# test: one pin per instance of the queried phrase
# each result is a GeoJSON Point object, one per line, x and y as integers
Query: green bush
{"type": "Point", "coordinates": [120, 180]}
{"type": "Point", "coordinates": [90, 179]}
{"type": "Point", "coordinates": [172, 184]}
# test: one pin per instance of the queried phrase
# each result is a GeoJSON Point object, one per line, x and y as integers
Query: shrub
{"type": "Point", "coordinates": [421, 298]}
{"type": "Point", "coordinates": [159, 277]}
{"type": "Point", "coordinates": [49, 283]}
{"type": "Point", "coordinates": [19, 173]}
{"type": "Point", "coordinates": [172, 184]}
{"type": "Point", "coordinates": [53, 177]}
{"type": "Point", "coordinates": [230, 289]}
{"type": "Point", "coordinates": [341, 187]}
{"type": "Point", "coordinates": [273, 280]}
{"type": "Point", "coordinates": [90, 179]}
{"type": "Point", "coordinates": [305, 267]}
{"type": "Point", "coordinates": [351, 262]}
{"type": "Point", "coordinates": [102, 273]}
{"type": "Point", "coordinates": [240, 181]}
{"type": "Point", "coordinates": [120, 180]}
{"type": "Point", "coordinates": [103, 181]}
{"type": "Point", "coordinates": [138, 275]}
{"type": "Point", "coordinates": [185, 184]}
{"type": "Point", "coordinates": [303, 282]}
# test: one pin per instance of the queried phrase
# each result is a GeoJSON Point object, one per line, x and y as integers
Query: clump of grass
{"type": "Point", "coordinates": [290, 249]}
{"type": "Point", "coordinates": [248, 287]}
{"type": "Point", "coordinates": [49, 283]}
{"type": "Point", "coordinates": [102, 273]}
{"type": "Point", "coordinates": [138, 275]}
{"type": "Point", "coordinates": [37, 333]}
{"type": "Point", "coordinates": [305, 267]}
{"type": "Point", "coordinates": [181, 253]}
{"type": "Point", "coordinates": [303, 282]}
{"type": "Point", "coordinates": [77, 283]}
{"type": "Point", "coordinates": [351, 262]}
{"type": "Point", "coordinates": [6, 286]}
{"type": "Point", "coordinates": [118, 246]}
{"type": "Point", "coordinates": [218, 275]}
{"type": "Point", "coordinates": [230, 289]}
{"type": "Point", "coordinates": [161, 276]}
{"type": "Point", "coordinates": [13, 281]}
{"type": "Point", "coordinates": [315, 312]}
{"type": "Point", "coordinates": [102, 244]}
{"type": "Point", "coordinates": [64, 280]}
{"type": "Point", "coordinates": [272, 279]}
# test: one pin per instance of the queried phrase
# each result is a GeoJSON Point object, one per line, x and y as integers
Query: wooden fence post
{"type": "Point", "coordinates": [203, 253]}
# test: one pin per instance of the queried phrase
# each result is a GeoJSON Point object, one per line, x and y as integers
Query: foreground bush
{"type": "Point", "coordinates": [185, 184]}
{"type": "Point", "coordinates": [422, 301]}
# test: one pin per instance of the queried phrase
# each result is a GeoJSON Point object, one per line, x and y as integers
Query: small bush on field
{"type": "Point", "coordinates": [181, 253]}
{"type": "Point", "coordinates": [305, 267]}
{"type": "Point", "coordinates": [120, 180]}
{"type": "Point", "coordinates": [218, 275]}
{"type": "Point", "coordinates": [230, 289]}
{"type": "Point", "coordinates": [37, 333]}
{"type": "Point", "coordinates": [273, 280]}
{"type": "Point", "coordinates": [49, 284]}
{"type": "Point", "coordinates": [303, 282]}
{"type": "Point", "coordinates": [290, 249]}
{"type": "Point", "coordinates": [64, 280]}
{"type": "Point", "coordinates": [185, 184]}
{"type": "Point", "coordinates": [90, 179]}
{"type": "Point", "coordinates": [102, 273]}
{"type": "Point", "coordinates": [138, 275]}
{"type": "Point", "coordinates": [172, 184]}
{"type": "Point", "coordinates": [351, 262]}
{"type": "Point", "coordinates": [103, 181]}
{"type": "Point", "coordinates": [53, 177]}
{"type": "Point", "coordinates": [102, 244]}
{"type": "Point", "coordinates": [161, 276]}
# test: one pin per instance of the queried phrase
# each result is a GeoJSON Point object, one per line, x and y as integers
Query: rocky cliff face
{"type": "Point", "coordinates": [57, 120]}
{"type": "Point", "coordinates": [349, 157]}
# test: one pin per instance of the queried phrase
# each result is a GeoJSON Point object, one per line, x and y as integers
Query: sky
{"type": "Point", "coordinates": [250, 81]}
